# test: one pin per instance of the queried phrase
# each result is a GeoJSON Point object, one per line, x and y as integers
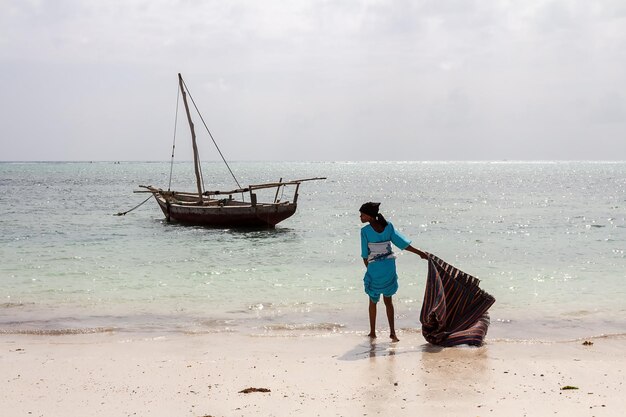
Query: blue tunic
{"type": "Point", "coordinates": [381, 276]}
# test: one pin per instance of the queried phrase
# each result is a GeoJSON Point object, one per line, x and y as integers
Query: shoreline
{"type": "Point", "coordinates": [331, 374]}
{"type": "Point", "coordinates": [520, 328]}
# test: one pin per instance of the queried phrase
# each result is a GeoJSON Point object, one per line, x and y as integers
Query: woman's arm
{"type": "Point", "coordinates": [404, 243]}
{"type": "Point", "coordinates": [418, 252]}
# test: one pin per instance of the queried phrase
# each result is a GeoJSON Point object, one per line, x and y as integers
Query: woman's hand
{"type": "Point", "coordinates": [421, 254]}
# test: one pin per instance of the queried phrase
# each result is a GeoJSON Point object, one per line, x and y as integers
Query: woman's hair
{"type": "Point", "coordinates": [371, 209]}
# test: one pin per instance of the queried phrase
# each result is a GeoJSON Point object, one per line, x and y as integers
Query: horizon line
{"type": "Point", "coordinates": [324, 161]}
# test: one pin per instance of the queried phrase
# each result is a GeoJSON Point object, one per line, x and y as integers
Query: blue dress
{"type": "Point", "coordinates": [381, 276]}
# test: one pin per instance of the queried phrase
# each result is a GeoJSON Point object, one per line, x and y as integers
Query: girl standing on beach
{"type": "Point", "coordinates": [380, 261]}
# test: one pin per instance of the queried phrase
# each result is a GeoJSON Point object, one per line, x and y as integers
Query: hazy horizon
{"type": "Point", "coordinates": [433, 161]}
{"type": "Point", "coordinates": [355, 80]}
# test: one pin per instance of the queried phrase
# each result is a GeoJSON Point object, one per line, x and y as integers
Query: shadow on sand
{"type": "Point", "coordinates": [373, 348]}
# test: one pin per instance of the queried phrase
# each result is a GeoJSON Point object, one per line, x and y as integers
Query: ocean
{"type": "Point", "coordinates": [546, 239]}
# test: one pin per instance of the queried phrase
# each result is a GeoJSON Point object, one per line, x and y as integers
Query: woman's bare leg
{"type": "Point", "coordinates": [391, 318]}
{"type": "Point", "coordinates": [372, 311]}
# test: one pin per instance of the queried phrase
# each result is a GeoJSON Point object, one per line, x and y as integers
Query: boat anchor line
{"type": "Point", "coordinates": [124, 213]}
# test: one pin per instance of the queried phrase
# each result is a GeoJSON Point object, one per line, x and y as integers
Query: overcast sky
{"type": "Point", "coordinates": [315, 80]}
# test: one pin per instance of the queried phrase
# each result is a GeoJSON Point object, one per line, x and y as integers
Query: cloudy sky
{"type": "Point", "coordinates": [315, 80]}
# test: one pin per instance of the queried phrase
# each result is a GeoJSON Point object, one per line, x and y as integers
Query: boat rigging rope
{"type": "Point", "coordinates": [137, 206]}
{"type": "Point", "coordinates": [169, 185]}
{"type": "Point", "coordinates": [207, 129]}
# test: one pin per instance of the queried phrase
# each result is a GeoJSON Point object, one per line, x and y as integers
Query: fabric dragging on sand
{"type": "Point", "coordinates": [454, 311]}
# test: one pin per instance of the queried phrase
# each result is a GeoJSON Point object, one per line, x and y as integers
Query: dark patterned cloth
{"type": "Point", "coordinates": [454, 311]}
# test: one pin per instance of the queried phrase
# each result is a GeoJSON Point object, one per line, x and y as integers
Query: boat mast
{"type": "Point", "coordinates": [196, 159]}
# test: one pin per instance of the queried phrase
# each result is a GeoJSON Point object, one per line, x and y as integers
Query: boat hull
{"type": "Point", "coordinates": [246, 215]}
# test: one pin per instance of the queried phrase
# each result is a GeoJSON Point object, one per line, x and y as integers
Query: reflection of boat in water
{"type": "Point", "coordinates": [220, 208]}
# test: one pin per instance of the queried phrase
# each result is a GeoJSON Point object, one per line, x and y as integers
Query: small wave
{"type": "Point", "coordinates": [211, 326]}
{"type": "Point", "coordinates": [58, 332]}
{"type": "Point", "coordinates": [333, 327]}
{"type": "Point", "coordinates": [411, 330]}
{"type": "Point", "coordinates": [578, 313]}
{"type": "Point", "coordinates": [217, 322]}
{"type": "Point", "coordinates": [14, 305]}
{"type": "Point", "coordinates": [194, 332]}
{"type": "Point", "coordinates": [260, 306]}
{"type": "Point", "coordinates": [525, 341]}
{"type": "Point", "coordinates": [540, 341]}
{"type": "Point", "coordinates": [609, 336]}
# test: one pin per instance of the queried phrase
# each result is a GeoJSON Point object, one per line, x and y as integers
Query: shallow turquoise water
{"type": "Point", "coordinates": [546, 239]}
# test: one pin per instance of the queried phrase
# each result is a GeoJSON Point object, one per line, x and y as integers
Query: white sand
{"type": "Point", "coordinates": [332, 375]}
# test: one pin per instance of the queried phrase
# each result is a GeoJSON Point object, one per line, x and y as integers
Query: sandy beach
{"type": "Point", "coordinates": [326, 374]}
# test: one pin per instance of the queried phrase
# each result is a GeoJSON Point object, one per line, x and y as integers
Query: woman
{"type": "Point", "coordinates": [380, 261]}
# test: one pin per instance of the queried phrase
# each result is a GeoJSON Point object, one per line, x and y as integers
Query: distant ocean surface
{"type": "Point", "coordinates": [547, 239]}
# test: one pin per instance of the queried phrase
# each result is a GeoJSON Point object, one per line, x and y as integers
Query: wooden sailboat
{"type": "Point", "coordinates": [222, 208]}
